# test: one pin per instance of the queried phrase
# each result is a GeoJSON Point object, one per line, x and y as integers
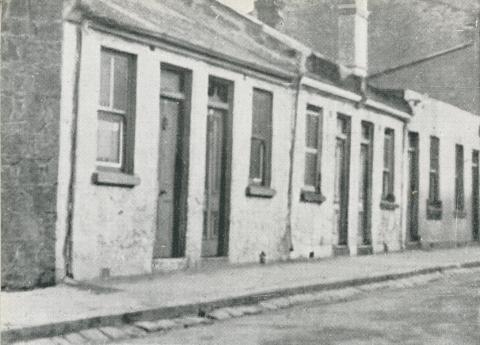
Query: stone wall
{"type": "Point", "coordinates": [31, 33]}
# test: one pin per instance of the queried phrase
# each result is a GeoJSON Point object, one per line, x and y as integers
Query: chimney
{"type": "Point", "coordinates": [353, 35]}
{"type": "Point", "coordinates": [270, 12]}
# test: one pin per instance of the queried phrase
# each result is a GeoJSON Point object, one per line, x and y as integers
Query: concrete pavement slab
{"type": "Point", "coordinates": [133, 331]}
{"type": "Point", "coordinates": [94, 336]}
{"type": "Point", "coordinates": [118, 300]}
{"type": "Point", "coordinates": [60, 341]}
{"type": "Point", "coordinates": [219, 314]}
{"type": "Point", "coordinates": [268, 305]}
{"type": "Point", "coordinates": [113, 332]}
{"type": "Point", "coordinates": [191, 321]}
{"type": "Point", "coordinates": [75, 338]}
{"type": "Point", "coordinates": [234, 311]}
{"type": "Point", "coordinates": [250, 309]}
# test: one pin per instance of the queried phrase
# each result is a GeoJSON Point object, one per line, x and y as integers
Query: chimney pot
{"type": "Point", "coordinates": [270, 12]}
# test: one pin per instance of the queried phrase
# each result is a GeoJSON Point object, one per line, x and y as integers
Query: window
{"type": "Point", "coordinates": [261, 142]}
{"type": "Point", "coordinates": [116, 121]}
{"type": "Point", "coordinates": [312, 148]}
{"type": "Point", "coordinates": [459, 187]}
{"type": "Point", "coordinates": [388, 165]}
{"type": "Point", "coordinates": [434, 192]}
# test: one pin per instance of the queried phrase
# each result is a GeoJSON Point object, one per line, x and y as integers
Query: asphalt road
{"type": "Point", "coordinates": [443, 312]}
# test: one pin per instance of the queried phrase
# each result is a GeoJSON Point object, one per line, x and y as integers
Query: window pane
{"type": "Point", "coordinates": [217, 91]}
{"type": "Point", "coordinates": [342, 127]}
{"type": "Point", "coordinates": [106, 61]}
{"type": "Point", "coordinates": [434, 153]}
{"type": "Point", "coordinates": [366, 129]}
{"type": "Point", "coordinates": [362, 182]}
{"type": "Point", "coordinates": [109, 138]}
{"type": "Point", "coordinates": [120, 82]}
{"type": "Point", "coordinates": [310, 169]}
{"type": "Point", "coordinates": [386, 183]}
{"type": "Point", "coordinates": [312, 131]}
{"type": "Point", "coordinates": [262, 113]}
{"type": "Point", "coordinates": [475, 158]}
{"type": "Point", "coordinates": [261, 136]}
{"type": "Point", "coordinates": [386, 152]}
{"type": "Point", "coordinates": [388, 162]}
{"type": "Point", "coordinates": [171, 81]}
{"type": "Point", "coordinates": [257, 157]}
{"type": "Point", "coordinates": [434, 187]}
{"type": "Point", "coordinates": [339, 158]}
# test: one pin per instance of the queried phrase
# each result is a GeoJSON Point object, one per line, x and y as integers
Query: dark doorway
{"type": "Point", "coordinates": [365, 186]}
{"type": "Point", "coordinates": [173, 162]}
{"type": "Point", "coordinates": [342, 177]}
{"type": "Point", "coordinates": [413, 186]}
{"type": "Point", "coordinates": [475, 196]}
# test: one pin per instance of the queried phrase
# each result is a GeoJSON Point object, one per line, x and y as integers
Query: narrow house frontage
{"type": "Point", "coordinates": [192, 135]}
{"type": "Point", "coordinates": [179, 151]}
{"type": "Point", "coordinates": [442, 200]}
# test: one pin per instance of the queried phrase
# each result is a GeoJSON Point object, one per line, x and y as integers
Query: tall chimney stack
{"type": "Point", "coordinates": [353, 35]}
{"type": "Point", "coordinates": [270, 12]}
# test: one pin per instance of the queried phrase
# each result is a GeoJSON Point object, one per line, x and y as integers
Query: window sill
{"type": "Point", "coordinates": [260, 191]}
{"type": "Point", "coordinates": [117, 179]}
{"type": "Point", "coordinates": [313, 197]}
{"type": "Point", "coordinates": [388, 205]}
{"type": "Point", "coordinates": [461, 214]}
{"type": "Point", "coordinates": [434, 210]}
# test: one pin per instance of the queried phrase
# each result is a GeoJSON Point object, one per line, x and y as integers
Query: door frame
{"type": "Point", "coordinates": [182, 165]}
{"type": "Point", "coordinates": [345, 193]}
{"type": "Point", "coordinates": [410, 135]}
{"type": "Point", "coordinates": [225, 197]}
{"type": "Point", "coordinates": [475, 195]}
{"type": "Point", "coordinates": [367, 189]}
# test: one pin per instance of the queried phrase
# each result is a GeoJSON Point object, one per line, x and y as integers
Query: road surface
{"type": "Point", "coordinates": [443, 312]}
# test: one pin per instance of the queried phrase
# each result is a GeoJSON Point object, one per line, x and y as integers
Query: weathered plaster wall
{"type": "Point", "coordinates": [31, 34]}
{"type": "Point", "coordinates": [313, 224]}
{"type": "Point", "coordinates": [259, 224]}
{"type": "Point", "coordinates": [114, 227]}
{"type": "Point", "coordinates": [452, 126]}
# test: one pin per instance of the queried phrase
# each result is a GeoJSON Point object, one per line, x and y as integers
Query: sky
{"type": "Point", "coordinates": [243, 6]}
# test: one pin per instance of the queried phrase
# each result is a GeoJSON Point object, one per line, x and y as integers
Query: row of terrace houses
{"type": "Point", "coordinates": [187, 133]}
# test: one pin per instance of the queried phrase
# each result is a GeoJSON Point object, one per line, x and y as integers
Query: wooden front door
{"type": "Point", "coordinates": [173, 165]}
{"type": "Point", "coordinates": [217, 181]}
{"type": "Point", "coordinates": [413, 187]}
{"type": "Point", "coordinates": [342, 177]}
{"type": "Point", "coordinates": [365, 185]}
{"type": "Point", "coordinates": [475, 196]}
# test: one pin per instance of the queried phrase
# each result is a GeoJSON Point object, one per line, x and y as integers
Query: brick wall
{"type": "Point", "coordinates": [31, 33]}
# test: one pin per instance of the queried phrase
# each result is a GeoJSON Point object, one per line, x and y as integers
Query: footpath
{"type": "Point", "coordinates": [102, 304]}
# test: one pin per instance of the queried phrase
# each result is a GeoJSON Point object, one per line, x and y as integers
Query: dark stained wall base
{"type": "Point", "coordinates": [446, 244]}
{"type": "Point", "coordinates": [31, 34]}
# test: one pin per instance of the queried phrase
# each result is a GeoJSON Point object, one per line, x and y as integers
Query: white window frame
{"type": "Point", "coordinates": [113, 111]}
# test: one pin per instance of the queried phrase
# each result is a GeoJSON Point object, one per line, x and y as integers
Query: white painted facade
{"type": "Point", "coordinates": [452, 126]}
{"type": "Point", "coordinates": [113, 228]}
{"type": "Point", "coordinates": [313, 224]}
